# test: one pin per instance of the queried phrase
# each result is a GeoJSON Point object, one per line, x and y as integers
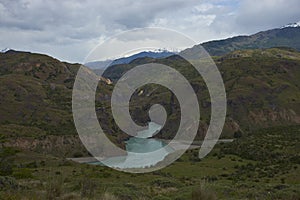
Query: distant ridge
{"type": "Point", "coordinates": [5, 50]}
{"type": "Point", "coordinates": [125, 60]}
{"type": "Point", "coordinates": [293, 25]}
{"type": "Point", "coordinates": [287, 36]}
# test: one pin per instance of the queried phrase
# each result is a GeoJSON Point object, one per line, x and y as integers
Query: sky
{"type": "Point", "coordinates": [70, 29]}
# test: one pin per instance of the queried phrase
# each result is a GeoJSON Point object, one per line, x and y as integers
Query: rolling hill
{"type": "Point", "coordinates": [37, 133]}
{"type": "Point", "coordinates": [262, 88]}
{"type": "Point", "coordinates": [288, 36]}
{"type": "Point", "coordinates": [35, 103]}
{"type": "Point", "coordinates": [262, 91]}
{"type": "Point", "coordinates": [100, 65]}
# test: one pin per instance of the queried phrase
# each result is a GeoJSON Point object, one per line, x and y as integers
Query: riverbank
{"type": "Point", "coordinates": [175, 145]}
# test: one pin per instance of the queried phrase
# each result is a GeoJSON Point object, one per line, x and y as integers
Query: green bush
{"type": "Point", "coordinates": [54, 188]}
{"type": "Point", "coordinates": [77, 155]}
{"type": "Point", "coordinates": [238, 134]}
{"type": "Point", "coordinates": [22, 173]}
{"type": "Point", "coordinates": [202, 193]}
{"type": "Point", "coordinates": [6, 160]}
{"type": "Point", "coordinates": [163, 183]}
{"type": "Point", "coordinates": [5, 168]}
{"type": "Point", "coordinates": [88, 187]}
{"type": "Point", "coordinates": [7, 182]}
{"type": "Point", "coordinates": [161, 198]}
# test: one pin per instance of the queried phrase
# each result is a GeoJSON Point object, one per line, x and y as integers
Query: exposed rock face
{"type": "Point", "coordinates": [105, 80]}
{"type": "Point", "coordinates": [279, 116]}
{"type": "Point", "coordinates": [65, 145]}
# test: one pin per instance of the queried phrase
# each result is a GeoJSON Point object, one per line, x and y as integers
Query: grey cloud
{"type": "Point", "coordinates": [256, 15]}
{"type": "Point", "coordinates": [66, 28]}
{"type": "Point", "coordinates": [55, 23]}
{"type": "Point", "coordinates": [38, 15]}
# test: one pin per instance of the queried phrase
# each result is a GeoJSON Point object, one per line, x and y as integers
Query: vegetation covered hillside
{"type": "Point", "coordinates": [262, 89]}
{"type": "Point", "coordinates": [37, 133]}
{"type": "Point", "coordinates": [283, 37]}
{"type": "Point", "coordinates": [35, 103]}
{"type": "Point", "coordinates": [264, 165]}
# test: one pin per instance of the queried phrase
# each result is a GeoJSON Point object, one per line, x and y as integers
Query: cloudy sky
{"type": "Point", "coordinates": [68, 30]}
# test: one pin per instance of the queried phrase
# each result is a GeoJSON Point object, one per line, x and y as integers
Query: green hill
{"type": "Point", "coordinates": [37, 131]}
{"type": "Point", "coordinates": [35, 103]}
{"type": "Point", "coordinates": [284, 37]}
{"type": "Point", "coordinates": [262, 89]}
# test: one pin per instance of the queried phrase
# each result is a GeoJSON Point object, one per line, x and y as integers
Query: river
{"type": "Point", "coordinates": [137, 147]}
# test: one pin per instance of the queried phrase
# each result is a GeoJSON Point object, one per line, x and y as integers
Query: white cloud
{"type": "Point", "coordinates": [69, 29]}
{"type": "Point", "coordinates": [256, 15]}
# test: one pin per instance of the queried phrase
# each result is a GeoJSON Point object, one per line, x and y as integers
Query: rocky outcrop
{"type": "Point", "coordinates": [66, 145]}
{"type": "Point", "coordinates": [274, 116]}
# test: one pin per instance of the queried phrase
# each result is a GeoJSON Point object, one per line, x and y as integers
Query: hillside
{"type": "Point", "coordinates": [262, 89]}
{"type": "Point", "coordinates": [286, 36]}
{"type": "Point", "coordinates": [264, 165]}
{"type": "Point", "coordinates": [35, 103]}
{"type": "Point", "coordinates": [37, 133]}
{"type": "Point", "coordinates": [281, 37]}
{"type": "Point", "coordinates": [100, 65]}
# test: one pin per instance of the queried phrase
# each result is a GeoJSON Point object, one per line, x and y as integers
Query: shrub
{"type": "Point", "coordinates": [87, 188]}
{"type": "Point", "coordinates": [7, 182]}
{"type": "Point", "coordinates": [77, 155]}
{"type": "Point", "coordinates": [5, 169]}
{"type": "Point", "coordinates": [54, 188]}
{"type": "Point", "coordinates": [22, 173]}
{"type": "Point", "coordinates": [203, 193]}
{"type": "Point", "coordinates": [32, 165]}
{"type": "Point", "coordinates": [107, 196]}
{"type": "Point", "coordinates": [162, 183]}
{"type": "Point", "coordinates": [6, 160]}
{"type": "Point", "coordinates": [238, 134]}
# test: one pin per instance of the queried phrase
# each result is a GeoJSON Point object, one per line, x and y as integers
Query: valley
{"type": "Point", "coordinates": [257, 156]}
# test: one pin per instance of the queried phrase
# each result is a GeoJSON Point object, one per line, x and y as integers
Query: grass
{"type": "Point", "coordinates": [226, 173]}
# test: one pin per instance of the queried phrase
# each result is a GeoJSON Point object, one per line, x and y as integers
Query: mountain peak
{"type": "Point", "coordinates": [158, 53]}
{"type": "Point", "coordinates": [5, 50]}
{"type": "Point", "coordinates": [292, 25]}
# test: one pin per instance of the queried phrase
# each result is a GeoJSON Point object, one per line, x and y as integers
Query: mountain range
{"type": "Point", "coordinates": [261, 80]}
{"type": "Point", "coordinates": [125, 60]}
{"type": "Point", "coordinates": [286, 36]}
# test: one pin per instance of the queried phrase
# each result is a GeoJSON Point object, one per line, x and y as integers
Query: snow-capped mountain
{"type": "Point", "coordinates": [158, 53]}
{"type": "Point", "coordinates": [5, 50]}
{"type": "Point", "coordinates": [293, 25]}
